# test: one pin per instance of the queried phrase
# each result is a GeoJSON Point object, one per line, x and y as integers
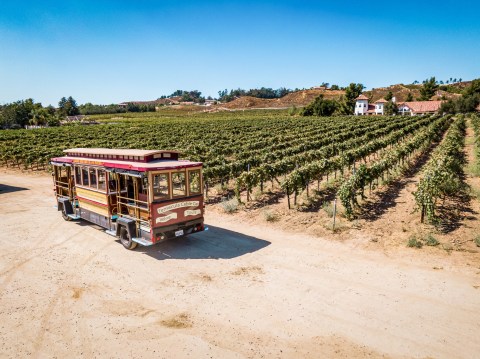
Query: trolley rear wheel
{"type": "Point", "coordinates": [126, 240]}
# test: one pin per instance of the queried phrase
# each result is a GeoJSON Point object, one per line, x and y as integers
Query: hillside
{"type": "Point", "coordinates": [304, 97]}
{"type": "Point", "coordinates": [299, 99]}
{"type": "Point", "coordinates": [400, 92]}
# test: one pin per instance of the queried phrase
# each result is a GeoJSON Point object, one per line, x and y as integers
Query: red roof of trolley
{"type": "Point", "coordinates": [125, 159]}
{"type": "Point", "coordinates": [116, 152]}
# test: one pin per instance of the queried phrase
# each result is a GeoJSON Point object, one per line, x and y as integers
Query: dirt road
{"type": "Point", "coordinates": [67, 289]}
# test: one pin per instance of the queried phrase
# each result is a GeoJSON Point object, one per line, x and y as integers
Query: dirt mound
{"type": "Point", "coordinates": [298, 98]}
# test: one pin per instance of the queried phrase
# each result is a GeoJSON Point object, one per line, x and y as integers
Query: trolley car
{"type": "Point", "coordinates": [140, 196]}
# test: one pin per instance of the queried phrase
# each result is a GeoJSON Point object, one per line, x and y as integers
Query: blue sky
{"type": "Point", "coordinates": [111, 51]}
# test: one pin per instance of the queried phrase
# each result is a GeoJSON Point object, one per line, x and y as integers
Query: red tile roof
{"type": "Point", "coordinates": [362, 97]}
{"type": "Point", "coordinates": [423, 106]}
{"type": "Point", "coordinates": [382, 100]}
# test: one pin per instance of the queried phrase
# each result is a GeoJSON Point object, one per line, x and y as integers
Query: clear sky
{"type": "Point", "coordinates": [111, 51]}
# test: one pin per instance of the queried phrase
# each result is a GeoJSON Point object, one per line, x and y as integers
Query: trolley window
{"type": "Point", "coordinates": [84, 176]}
{"type": "Point", "coordinates": [160, 186]}
{"type": "Point", "coordinates": [194, 182]}
{"type": "Point", "coordinates": [78, 175]}
{"type": "Point", "coordinates": [93, 178]}
{"type": "Point", "coordinates": [101, 180]}
{"type": "Point", "coordinates": [178, 184]}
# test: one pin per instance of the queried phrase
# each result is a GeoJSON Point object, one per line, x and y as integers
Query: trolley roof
{"type": "Point", "coordinates": [116, 152]}
{"type": "Point", "coordinates": [125, 159]}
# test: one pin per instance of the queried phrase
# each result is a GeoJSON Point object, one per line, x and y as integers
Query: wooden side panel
{"type": "Point", "coordinates": [92, 195]}
{"type": "Point", "coordinates": [101, 210]}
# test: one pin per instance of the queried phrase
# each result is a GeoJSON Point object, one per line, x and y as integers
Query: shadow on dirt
{"type": "Point", "coordinates": [4, 188]}
{"type": "Point", "coordinates": [215, 243]}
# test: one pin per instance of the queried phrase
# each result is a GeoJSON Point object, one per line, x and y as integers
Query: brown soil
{"type": "Point", "coordinates": [246, 288]}
{"type": "Point", "coordinates": [299, 99]}
{"type": "Point", "coordinates": [401, 92]}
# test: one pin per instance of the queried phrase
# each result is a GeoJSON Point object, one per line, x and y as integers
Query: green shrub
{"type": "Point", "coordinates": [477, 241]}
{"type": "Point", "coordinates": [431, 240]}
{"type": "Point", "coordinates": [270, 216]}
{"type": "Point", "coordinates": [413, 242]}
{"type": "Point", "coordinates": [230, 206]}
{"type": "Point", "coordinates": [328, 208]}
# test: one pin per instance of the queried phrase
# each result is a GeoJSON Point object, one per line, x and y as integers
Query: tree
{"type": "Point", "coordinates": [320, 107]}
{"type": "Point", "coordinates": [389, 96]}
{"type": "Point", "coordinates": [391, 108]}
{"type": "Point", "coordinates": [68, 107]}
{"type": "Point", "coordinates": [17, 114]}
{"type": "Point", "coordinates": [409, 97]}
{"type": "Point", "coordinates": [334, 87]}
{"type": "Point", "coordinates": [447, 107]}
{"type": "Point", "coordinates": [468, 102]}
{"type": "Point", "coordinates": [473, 88]}
{"type": "Point", "coordinates": [428, 89]}
{"type": "Point", "coordinates": [347, 105]}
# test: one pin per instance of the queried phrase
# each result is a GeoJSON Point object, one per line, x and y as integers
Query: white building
{"type": "Point", "coordinates": [379, 106]}
{"type": "Point", "coordinates": [362, 107]}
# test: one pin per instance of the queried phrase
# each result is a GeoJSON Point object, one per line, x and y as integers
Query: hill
{"type": "Point", "coordinates": [298, 98]}
{"type": "Point", "coordinates": [400, 92]}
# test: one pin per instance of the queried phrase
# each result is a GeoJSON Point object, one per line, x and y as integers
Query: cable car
{"type": "Point", "coordinates": [140, 196]}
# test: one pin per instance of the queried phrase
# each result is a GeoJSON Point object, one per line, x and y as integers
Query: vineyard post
{"type": "Point", "coordinates": [334, 212]}
{"type": "Point", "coordinates": [248, 187]}
{"type": "Point", "coordinates": [288, 198]}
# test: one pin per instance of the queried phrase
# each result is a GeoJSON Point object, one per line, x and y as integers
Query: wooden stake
{"type": "Point", "coordinates": [334, 212]}
{"type": "Point", "coordinates": [288, 198]}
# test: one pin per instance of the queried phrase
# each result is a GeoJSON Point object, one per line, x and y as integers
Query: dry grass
{"type": "Point", "coordinates": [178, 322]}
{"type": "Point", "coordinates": [248, 270]}
{"type": "Point", "coordinates": [77, 293]}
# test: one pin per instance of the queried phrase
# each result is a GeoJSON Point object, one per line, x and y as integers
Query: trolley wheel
{"type": "Point", "coordinates": [65, 215]}
{"type": "Point", "coordinates": [126, 240]}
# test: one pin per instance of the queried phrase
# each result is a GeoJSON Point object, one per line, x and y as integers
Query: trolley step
{"type": "Point", "coordinates": [74, 217]}
{"type": "Point", "coordinates": [142, 241]}
{"type": "Point", "coordinates": [111, 232]}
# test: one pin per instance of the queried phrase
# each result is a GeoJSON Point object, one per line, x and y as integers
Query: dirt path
{"type": "Point", "coordinates": [236, 291]}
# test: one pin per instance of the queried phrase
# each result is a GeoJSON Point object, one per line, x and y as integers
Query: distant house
{"type": "Point", "coordinates": [362, 107]}
{"type": "Point", "coordinates": [419, 107]}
